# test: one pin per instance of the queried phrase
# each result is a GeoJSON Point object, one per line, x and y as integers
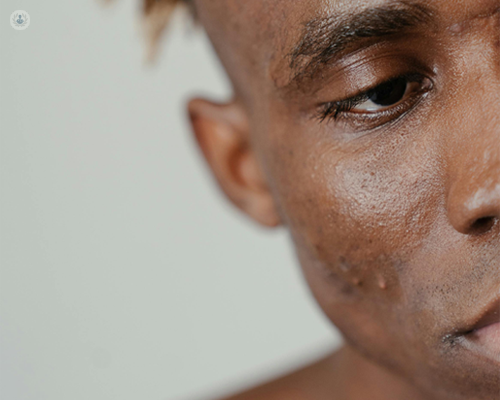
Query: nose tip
{"type": "Point", "coordinates": [476, 213]}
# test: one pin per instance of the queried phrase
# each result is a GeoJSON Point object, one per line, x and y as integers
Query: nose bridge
{"type": "Point", "coordinates": [474, 193]}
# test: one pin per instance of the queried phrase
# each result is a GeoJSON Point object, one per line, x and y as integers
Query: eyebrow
{"type": "Point", "coordinates": [324, 38]}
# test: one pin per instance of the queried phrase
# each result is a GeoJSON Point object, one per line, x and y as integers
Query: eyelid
{"type": "Point", "coordinates": [335, 108]}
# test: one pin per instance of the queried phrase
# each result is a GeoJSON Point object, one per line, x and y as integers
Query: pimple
{"type": "Point", "coordinates": [382, 284]}
{"type": "Point", "coordinates": [462, 26]}
{"type": "Point", "coordinates": [457, 28]}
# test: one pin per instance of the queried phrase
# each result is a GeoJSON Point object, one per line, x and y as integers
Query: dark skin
{"type": "Point", "coordinates": [392, 199]}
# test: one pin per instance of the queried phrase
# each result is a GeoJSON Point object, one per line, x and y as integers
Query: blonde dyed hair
{"type": "Point", "coordinates": [155, 17]}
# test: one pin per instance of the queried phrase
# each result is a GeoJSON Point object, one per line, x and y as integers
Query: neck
{"type": "Point", "coordinates": [359, 378]}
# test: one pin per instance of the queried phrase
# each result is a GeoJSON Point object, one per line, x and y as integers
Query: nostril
{"type": "Point", "coordinates": [474, 210]}
{"type": "Point", "coordinates": [482, 225]}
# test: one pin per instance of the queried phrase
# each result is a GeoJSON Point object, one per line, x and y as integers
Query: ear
{"type": "Point", "coordinates": [222, 134]}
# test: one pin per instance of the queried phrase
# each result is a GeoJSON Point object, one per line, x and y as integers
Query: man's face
{"type": "Point", "coordinates": [377, 124]}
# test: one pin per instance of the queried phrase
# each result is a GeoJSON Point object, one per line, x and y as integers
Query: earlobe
{"type": "Point", "coordinates": [222, 134]}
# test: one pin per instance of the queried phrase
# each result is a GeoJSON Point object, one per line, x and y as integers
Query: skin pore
{"type": "Point", "coordinates": [370, 130]}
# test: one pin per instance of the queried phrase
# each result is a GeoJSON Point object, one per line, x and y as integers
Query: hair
{"type": "Point", "coordinates": [156, 15]}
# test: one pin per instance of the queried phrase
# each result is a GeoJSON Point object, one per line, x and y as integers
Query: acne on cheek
{"type": "Point", "coordinates": [356, 277]}
{"type": "Point", "coordinates": [316, 250]}
{"type": "Point", "coordinates": [366, 242]}
{"type": "Point", "coordinates": [347, 276]}
{"type": "Point", "coordinates": [352, 265]}
{"type": "Point", "coordinates": [350, 211]}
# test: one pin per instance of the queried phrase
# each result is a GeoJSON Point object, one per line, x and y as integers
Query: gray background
{"type": "Point", "coordinates": [125, 274]}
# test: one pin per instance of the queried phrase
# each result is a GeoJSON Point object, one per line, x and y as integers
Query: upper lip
{"type": "Point", "coordinates": [488, 316]}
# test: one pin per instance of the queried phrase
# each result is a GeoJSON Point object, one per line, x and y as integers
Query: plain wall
{"type": "Point", "coordinates": [125, 273]}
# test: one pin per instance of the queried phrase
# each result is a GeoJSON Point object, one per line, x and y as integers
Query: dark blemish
{"type": "Point", "coordinates": [290, 152]}
{"type": "Point", "coordinates": [344, 287]}
{"type": "Point", "coordinates": [347, 289]}
{"type": "Point", "coordinates": [450, 340]}
{"type": "Point", "coordinates": [398, 266]}
{"type": "Point", "coordinates": [357, 282]}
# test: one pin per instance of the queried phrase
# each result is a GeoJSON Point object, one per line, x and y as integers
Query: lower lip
{"type": "Point", "coordinates": [486, 341]}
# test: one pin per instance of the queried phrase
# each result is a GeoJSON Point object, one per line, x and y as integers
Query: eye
{"type": "Point", "coordinates": [386, 101]}
{"type": "Point", "coordinates": [386, 95]}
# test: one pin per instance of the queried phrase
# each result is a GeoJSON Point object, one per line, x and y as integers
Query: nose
{"type": "Point", "coordinates": [474, 198]}
{"type": "Point", "coordinates": [473, 155]}
{"type": "Point", "coordinates": [477, 213]}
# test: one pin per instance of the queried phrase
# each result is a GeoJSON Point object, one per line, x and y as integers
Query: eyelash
{"type": "Point", "coordinates": [337, 109]}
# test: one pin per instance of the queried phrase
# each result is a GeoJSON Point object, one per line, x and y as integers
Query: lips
{"type": "Point", "coordinates": [487, 315]}
{"type": "Point", "coordinates": [483, 335]}
{"type": "Point", "coordinates": [490, 316]}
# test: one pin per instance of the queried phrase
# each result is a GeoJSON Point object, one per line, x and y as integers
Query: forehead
{"type": "Point", "coordinates": [256, 38]}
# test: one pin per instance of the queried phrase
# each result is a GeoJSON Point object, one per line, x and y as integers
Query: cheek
{"type": "Point", "coordinates": [357, 214]}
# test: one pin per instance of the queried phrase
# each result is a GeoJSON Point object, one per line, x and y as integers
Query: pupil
{"type": "Point", "coordinates": [389, 93]}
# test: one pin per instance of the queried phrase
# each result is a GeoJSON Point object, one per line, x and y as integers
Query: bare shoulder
{"type": "Point", "coordinates": [300, 384]}
{"type": "Point", "coordinates": [271, 393]}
